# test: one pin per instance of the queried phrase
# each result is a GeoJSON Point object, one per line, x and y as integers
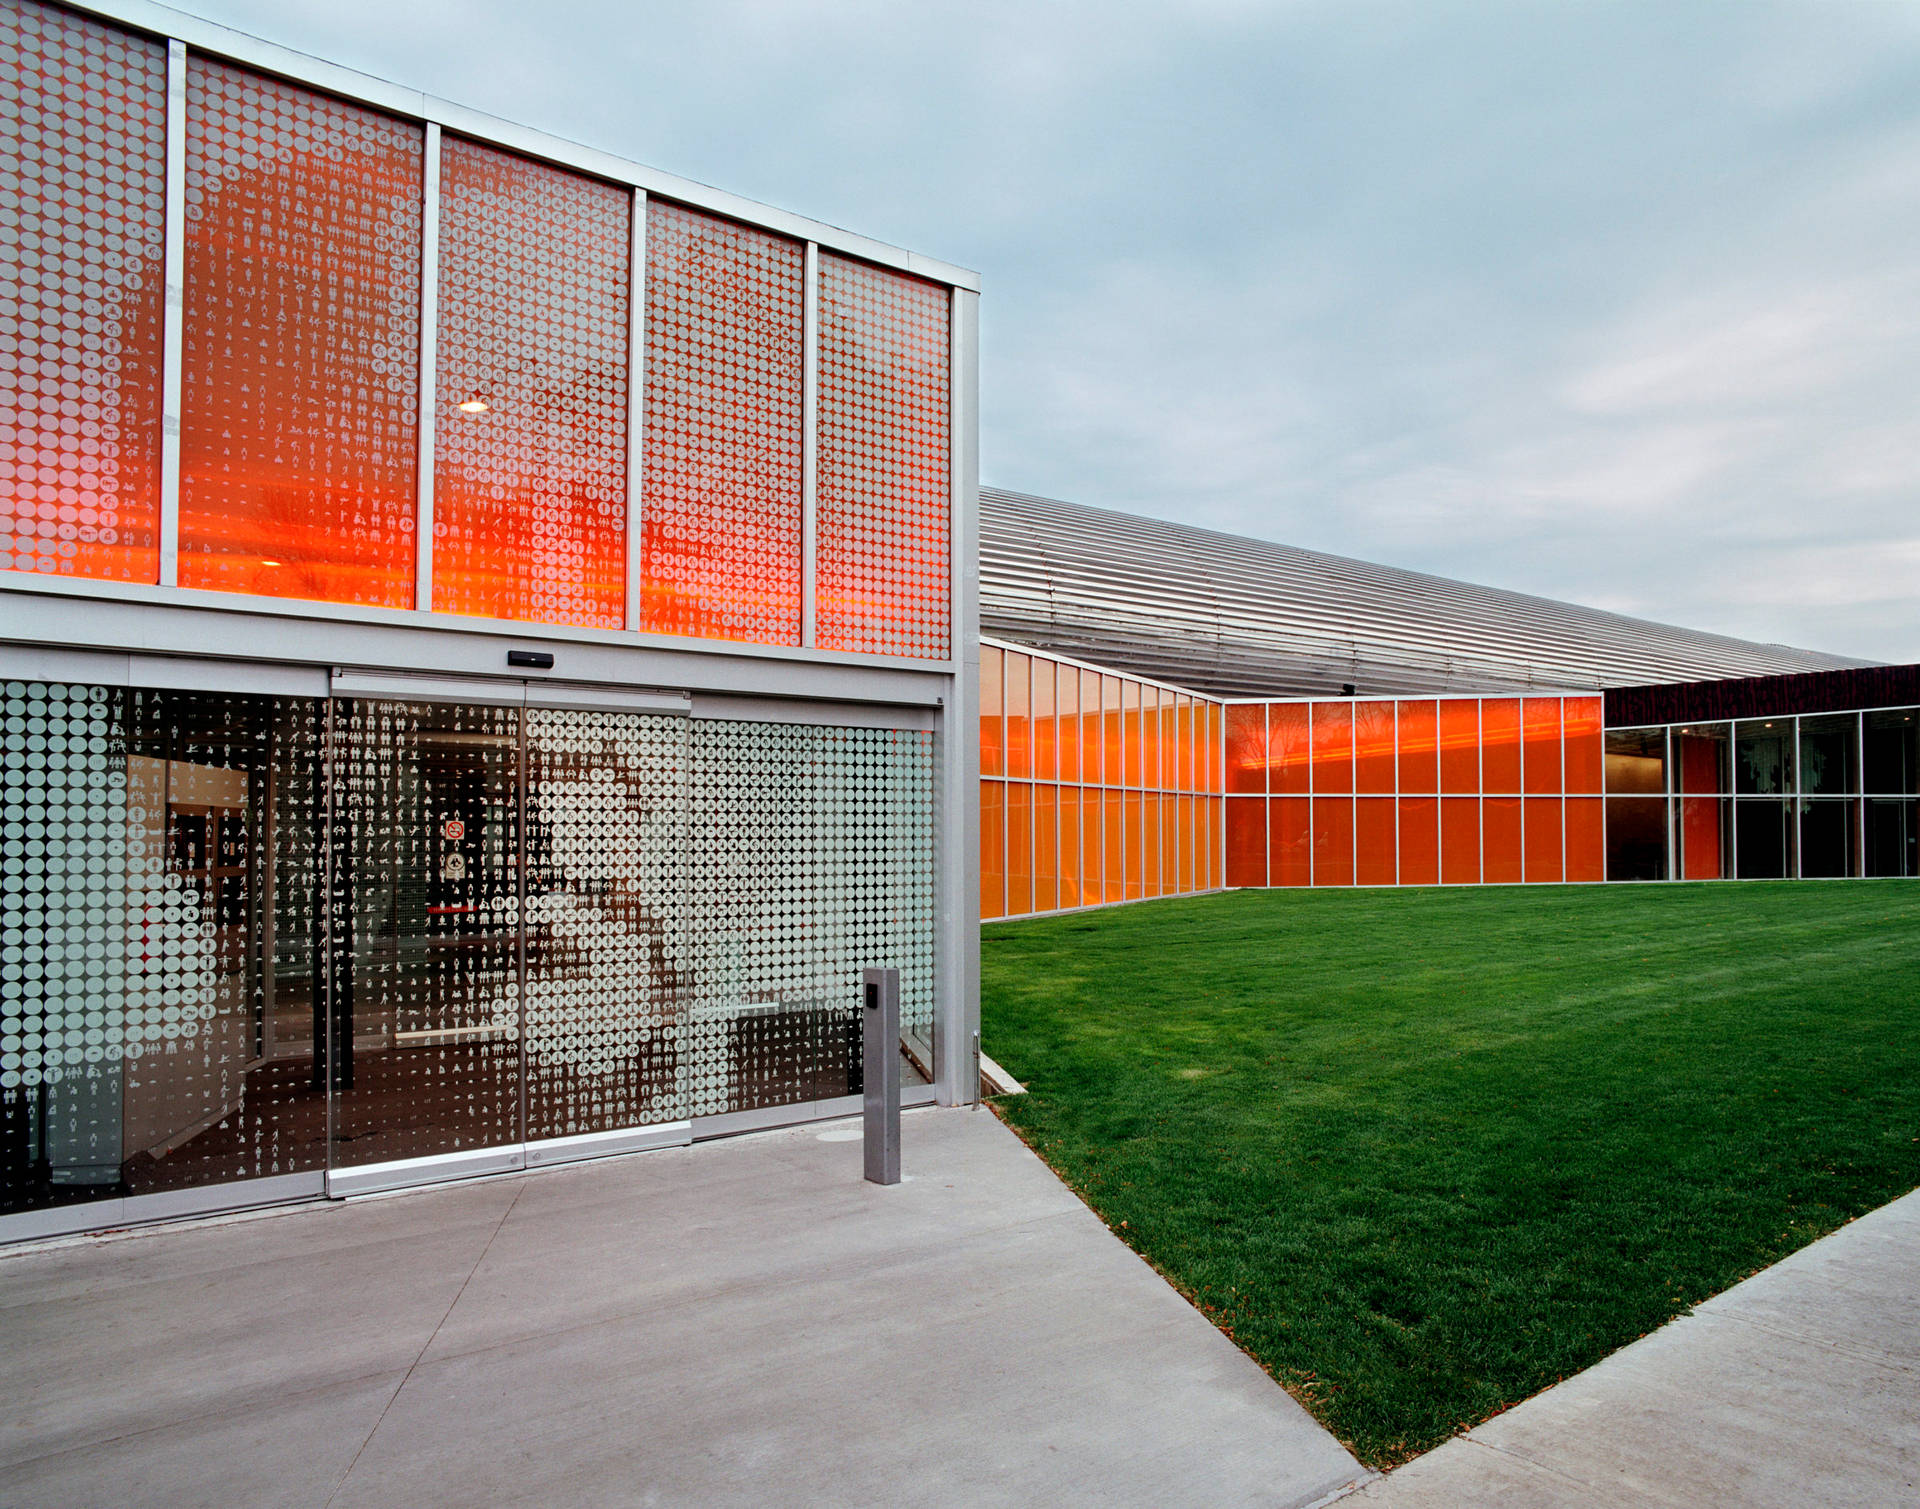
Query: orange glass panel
{"type": "Point", "coordinates": [1169, 742]}
{"type": "Point", "coordinates": [1046, 850]}
{"type": "Point", "coordinates": [1583, 740]}
{"type": "Point", "coordinates": [1130, 732]}
{"type": "Point", "coordinates": [530, 493]}
{"type": "Point", "coordinates": [1289, 841]}
{"type": "Point", "coordinates": [1247, 747]}
{"type": "Point", "coordinates": [1419, 743]}
{"type": "Point", "coordinates": [1017, 685]}
{"type": "Point", "coordinates": [1333, 840]}
{"type": "Point", "coordinates": [1332, 751]}
{"type": "Point", "coordinates": [1544, 863]}
{"type": "Point", "coordinates": [993, 849]}
{"type": "Point", "coordinates": [720, 528]}
{"type": "Point", "coordinates": [1419, 840]}
{"type": "Point", "coordinates": [1541, 716]}
{"type": "Point", "coordinates": [1289, 747]}
{"type": "Point", "coordinates": [882, 556]}
{"type": "Point", "coordinates": [1046, 733]}
{"type": "Point", "coordinates": [1373, 750]}
{"type": "Point", "coordinates": [1150, 845]}
{"type": "Point", "coordinates": [1246, 841]}
{"type": "Point", "coordinates": [1700, 838]}
{"type": "Point", "coordinates": [1151, 727]}
{"type": "Point", "coordinates": [993, 726]}
{"type": "Point", "coordinates": [1110, 715]}
{"type": "Point", "coordinates": [1019, 849]}
{"type": "Point", "coordinates": [1188, 841]}
{"type": "Point", "coordinates": [1115, 839]}
{"type": "Point", "coordinates": [1500, 839]}
{"type": "Point", "coordinates": [1499, 748]}
{"type": "Point", "coordinates": [1093, 835]}
{"type": "Point", "coordinates": [1067, 698]}
{"type": "Point", "coordinates": [300, 343]}
{"type": "Point", "coordinates": [1071, 894]}
{"type": "Point", "coordinates": [1374, 842]}
{"type": "Point", "coordinates": [1184, 739]}
{"type": "Point", "coordinates": [1092, 768]}
{"type": "Point", "coordinates": [1586, 840]}
{"type": "Point", "coordinates": [83, 124]}
{"type": "Point", "coordinates": [1460, 749]}
{"type": "Point", "coordinates": [1459, 835]}
{"type": "Point", "coordinates": [1136, 877]}
{"type": "Point", "coordinates": [1209, 753]}
{"type": "Point", "coordinates": [1216, 826]}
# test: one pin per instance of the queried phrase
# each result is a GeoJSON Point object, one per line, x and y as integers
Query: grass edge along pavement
{"type": "Point", "coordinates": [1424, 1152]}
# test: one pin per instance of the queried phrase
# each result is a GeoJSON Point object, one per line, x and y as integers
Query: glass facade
{"type": "Point", "coordinates": [1094, 789]}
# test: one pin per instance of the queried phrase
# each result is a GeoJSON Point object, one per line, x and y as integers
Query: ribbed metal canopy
{"type": "Point", "coordinates": [1240, 617]}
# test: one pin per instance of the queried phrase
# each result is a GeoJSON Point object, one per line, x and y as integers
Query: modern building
{"type": "Point", "coordinates": [486, 634]}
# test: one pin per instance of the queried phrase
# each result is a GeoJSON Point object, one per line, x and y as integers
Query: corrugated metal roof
{"type": "Point", "coordinates": [1240, 617]}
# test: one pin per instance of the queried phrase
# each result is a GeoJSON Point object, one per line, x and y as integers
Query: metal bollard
{"type": "Point", "coordinates": [880, 1062]}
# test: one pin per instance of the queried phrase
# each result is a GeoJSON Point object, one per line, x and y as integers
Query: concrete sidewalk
{"type": "Point", "coordinates": [738, 1323]}
{"type": "Point", "coordinates": [1799, 1387]}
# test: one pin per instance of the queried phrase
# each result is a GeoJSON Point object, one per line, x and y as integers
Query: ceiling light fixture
{"type": "Point", "coordinates": [474, 406]}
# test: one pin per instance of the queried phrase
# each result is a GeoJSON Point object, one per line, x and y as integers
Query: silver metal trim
{"type": "Point", "coordinates": [636, 404]}
{"type": "Point", "coordinates": [167, 1205]}
{"type": "Point", "coordinates": [809, 446]}
{"type": "Point", "coordinates": [504, 692]}
{"type": "Point", "coordinates": [546, 1152]}
{"type": "Point", "coordinates": [405, 1173]}
{"type": "Point", "coordinates": [178, 673]}
{"type": "Point", "coordinates": [798, 1113]}
{"type": "Point", "coordinates": [173, 325]}
{"type": "Point", "coordinates": [426, 426]}
{"type": "Point", "coordinates": [957, 1034]}
{"type": "Point", "coordinates": [823, 714]}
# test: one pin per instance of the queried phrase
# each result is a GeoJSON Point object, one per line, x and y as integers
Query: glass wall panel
{"type": "Point", "coordinates": [1184, 826]}
{"type": "Point", "coordinates": [1636, 761]}
{"type": "Point", "coordinates": [1544, 861]}
{"type": "Point", "coordinates": [1068, 698]}
{"type": "Point", "coordinates": [301, 343]}
{"type": "Point", "coordinates": [1092, 761]}
{"type": "Point", "coordinates": [1419, 840]}
{"type": "Point", "coordinates": [1636, 834]}
{"type": "Point", "coordinates": [1500, 746]}
{"type": "Point", "coordinates": [1586, 840]}
{"type": "Point", "coordinates": [884, 563]}
{"type": "Point", "coordinates": [1216, 833]}
{"type": "Point", "coordinates": [1762, 757]}
{"type": "Point", "coordinates": [1290, 841]}
{"type": "Point", "coordinates": [1500, 840]}
{"type": "Point", "coordinates": [1184, 738]}
{"type": "Point", "coordinates": [1543, 745]}
{"type": "Point", "coordinates": [1289, 748]}
{"type": "Point", "coordinates": [1046, 850]}
{"type": "Point", "coordinates": [1460, 752]}
{"type": "Point", "coordinates": [1373, 747]}
{"type": "Point", "coordinates": [1246, 841]}
{"type": "Point", "coordinates": [1247, 747]}
{"type": "Point", "coordinates": [1046, 734]}
{"type": "Point", "coordinates": [1459, 832]}
{"type": "Point", "coordinates": [1892, 753]}
{"type": "Point", "coordinates": [1583, 755]}
{"type": "Point", "coordinates": [1703, 824]}
{"type": "Point", "coordinates": [1375, 841]}
{"type": "Point", "coordinates": [1115, 759]}
{"type": "Point", "coordinates": [993, 849]}
{"type": "Point", "coordinates": [1332, 749]}
{"type": "Point", "coordinates": [83, 121]}
{"type": "Point", "coordinates": [1136, 860]}
{"type": "Point", "coordinates": [1072, 891]}
{"type": "Point", "coordinates": [1017, 692]}
{"type": "Point", "coordinates": [1333, 840]}
{"type": "Point", "coordinates": [1151, 728]}
{"type": "Point", "coordinates": [1130, 741]}
{"type": "Point", "coordinates": [1763, 839]}
{"type": "Point", "coordinates": [1419, 740]}
{"type": "Point", "coordinates": [1829, 757]}
{"type": "Point", "coordinates": [1211, 754]}
{"type": "Point", "coordinates": [1892, 837]}
{"type": "Point", "coordinates": [720, 543]}
{"type": "Point", "coordinates": [1153, 877]}
{"type": "Point", "coordinates": [1703, 755]}
{"type": "Point", "coordinates": [1115, 852]}
{"type": "Point", "coordinates": [1826, 830]}
{"type": "Point", "coordinates": [993, 728]}
{"type": "Point", "coordinates": [1019, 848]}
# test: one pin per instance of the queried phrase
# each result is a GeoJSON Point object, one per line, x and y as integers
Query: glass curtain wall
{"type": "Point", "coordinates": [1094, 788]}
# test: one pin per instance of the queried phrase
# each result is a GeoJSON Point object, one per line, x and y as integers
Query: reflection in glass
{"type": "Point", "coordinates": [1827, 766]}
{"type": "Point", "coordinates": [1763, 757]}
{"type": "Point", "coordinates": [1892, 752]}
{"type": "Point", "coordinates": [1892, 837]}
{"type": "Point", "coordinates": [1636, 832]}
{"type": "Point", "coordinates": [1636, 761]}
{"type": "Point", "coordinates": [1826, 836]}
{"type": "Point", "coordinates": [1763, 839]}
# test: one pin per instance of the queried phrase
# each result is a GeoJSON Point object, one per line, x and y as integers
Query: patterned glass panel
{"type": "Point", "coordinates": [83, 113]}
{"type": "Point", "coordinates": [815, 860]}
{"type": "Point", "coordinates": [883, 492]}
{"type": "Point", "coordinates": [530, 408]}
{"type": "Point", "coordinates": [156, 903]}
{"type": "Point", "coordinates": [298, 443]}
{"type": "Point", "coordinates": [721, 551]}
{"type": "Point", "coordinates": [606, 854]}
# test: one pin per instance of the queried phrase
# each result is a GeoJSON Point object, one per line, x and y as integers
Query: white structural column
{"type": "Point", "coordinates": [173, 334]}
{"type": "Point", "coordinates": [429, 367]}
{"type": "Point", "coordinates": [636, 404]}
{"type": "Point", "coordinates": [958, 1050]}
{"type": "Point", "coordinates": [810, 442]}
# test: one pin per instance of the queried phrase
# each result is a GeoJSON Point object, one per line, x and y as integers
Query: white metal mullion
{"type": "Point", "coordinates": [1396, 791]}
{"type": "Point", "coordinates": [636, 405]}
{"type": "Point", "coordinates": [427, 409]}
{"type": "Point", "coordinates": [1480, 779]}
{"type": "Point", "coordinates": [173, 333]}
{"type": "Point", "coordinates": [810, 447]}
{"type": "Point", "coordinates": [1563, 791]}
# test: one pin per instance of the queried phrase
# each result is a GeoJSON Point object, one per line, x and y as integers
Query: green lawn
{"type": "Point", "coordinates": [1424, 1152]}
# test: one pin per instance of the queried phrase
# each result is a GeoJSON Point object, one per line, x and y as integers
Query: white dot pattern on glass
{"type": "Point", "coordinates": [530, 493]}
{"type": "Point", "coordinates": [301, 341]}
{"type": "Point", "coordinates": [884, 572]}
{"type": "Point", "coordinates": [721, 523]}
{"type": "Point", "coordinates": [83, 112]}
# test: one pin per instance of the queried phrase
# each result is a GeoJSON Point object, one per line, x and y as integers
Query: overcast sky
{"type": "Point", "coordinates": [1618, 303]}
